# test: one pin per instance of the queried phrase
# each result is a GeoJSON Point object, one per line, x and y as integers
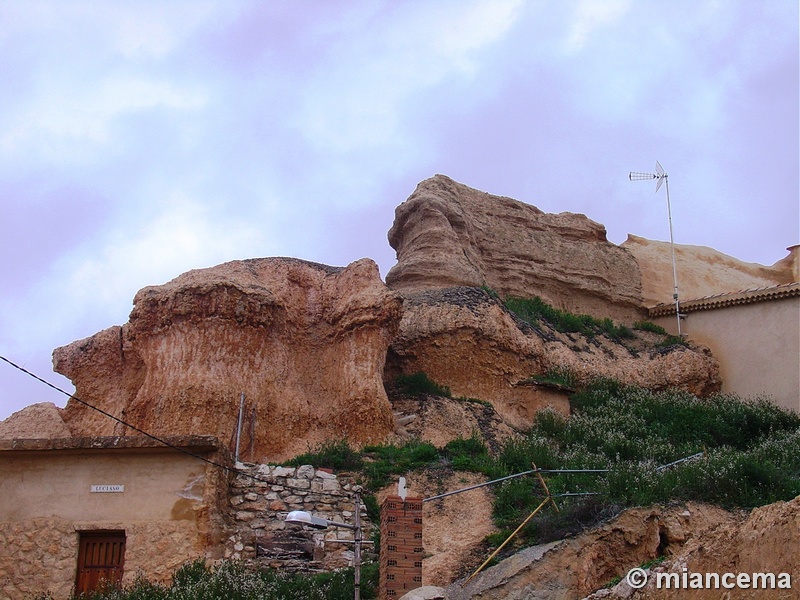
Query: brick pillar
{"type": "Point", "coordinates": [401, 546]}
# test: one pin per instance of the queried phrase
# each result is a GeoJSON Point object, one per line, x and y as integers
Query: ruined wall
{"type": "Point", "coordinates": [261, 496]}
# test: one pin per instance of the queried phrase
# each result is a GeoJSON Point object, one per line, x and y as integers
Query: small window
{"type": "Point", "coordinates": [391, 533]}
{"type": "Point", "coordinates": [418, 564]}
{"type": "Point", "coordinates": [391, 562]}
{"type": "Point", "coordinates": [418, 520]}
{"type": "Point", "coordinates": [418, 535]}
{"type": "Point", "coordinates": [390, 577]}
{"type": "Point", "coordinates": [392, 548]}
{"type": "Point", "coordinates": [418, 578]}
{"type": "Point", "coordinates": [392, 519]}
{"type": "Point", "coordinates": [417, 550]}
{"type": "Point", "coordinates": [391, 593]}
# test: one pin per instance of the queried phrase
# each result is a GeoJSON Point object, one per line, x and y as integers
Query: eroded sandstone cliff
{"type": "Point", "coordinates": [305, 342]}
{"type": "Point", "coordinates": [703, 271]}
{"type": "Point", "coordinates": [447, 234]}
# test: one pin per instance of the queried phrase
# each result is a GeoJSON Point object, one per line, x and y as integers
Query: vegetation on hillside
{"type": "Point", "coordinates": [233, 580]}
{"type": "Point", "coordinates": [750, 457]}
{"type": "Point", "coordinates": [536, 313]}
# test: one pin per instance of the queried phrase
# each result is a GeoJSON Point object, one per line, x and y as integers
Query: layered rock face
{"type": "Point", "coordinates": [703, 271]}
{"type": "Point", "coordinates": [306, 343]}
{"type": "Point", "coordinates": [468, 341]}
{"type": "Point", "coordinates": [447, 234]}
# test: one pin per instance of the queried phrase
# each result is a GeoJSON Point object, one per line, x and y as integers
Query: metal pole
{"type": "Point", "coordinates": [239, 426]}
{"type": "Point", "coordinates": [674, 268]}
{"type": "Point", "coordinates": [508, 539]}
{"type": "Point", "coordinates": [357, 548]}
{"type": "Point", "coordinates": [476, 486]}
{"type": "Point", "coordinates": [493, 481]}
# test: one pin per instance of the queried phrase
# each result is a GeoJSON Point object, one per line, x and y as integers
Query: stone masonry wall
{"type": "Point", "coordinates": [38, 556]}
{"type": "Point", "coordinates": [260, 498]}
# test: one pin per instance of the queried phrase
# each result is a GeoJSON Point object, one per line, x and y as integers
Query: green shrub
{"type": "Point", "coordinates": [533, 310]}
{"type": "Point", "coordinates": [753, 455]}
{"type": "Point", "coordinates": [333, 454]}
{"type": "Point", "coordinates": [385, 460]}
{"type": "Point", "coordinates": [672, 340]}
{"type": "Point", "coordinates": [560, 376]}
{"type": "Point", "coordinates": [232, 580]}
{"type": "Point", "coordinates": [419, 383]}
{"type": "Point", "coordinates": [649, 326]}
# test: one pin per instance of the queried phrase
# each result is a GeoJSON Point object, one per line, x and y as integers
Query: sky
{"type": "Point", "coordinates": [139, 140]}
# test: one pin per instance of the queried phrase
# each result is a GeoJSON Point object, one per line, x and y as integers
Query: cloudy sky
{"type": "Point", "coordinates": [142, 139]}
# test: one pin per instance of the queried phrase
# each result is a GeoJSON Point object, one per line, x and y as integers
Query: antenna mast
{"type": "Point", "coordinates": [662, 178]}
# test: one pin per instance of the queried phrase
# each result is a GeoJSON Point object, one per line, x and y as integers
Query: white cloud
{"type": "Point", "coordinates": [184, 236]}
{"type": "Point", "coordinates": [65, 118]}
{"type": "Point", "coordinates": [358, 97]}
{"type": "Point", "coordinates": [94, 286]}
{"type": "Point", "coordinates": [591, 15]}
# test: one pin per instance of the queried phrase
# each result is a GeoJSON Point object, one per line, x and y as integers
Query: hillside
{"type": "Point", "coordinates": [503, 338]}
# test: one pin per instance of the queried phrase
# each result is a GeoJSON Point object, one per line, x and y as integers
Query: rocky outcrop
{"type": "Point", "coordinates": [306, 343]}
{"type": "Point", "coordinates": [42, 420]}
{"type": "Point", "coordinates": [467, 340]}
{"type": "Point", "coordinates": [571, 569]}
{"type": "Point", "coordinates": [703, 271]}
{"type": "Point", "coordinates": [691, 538]}
{"type": "Point", "coordinates": [447, 234]}
{"type": "Point", "coordinates": [766, 541]}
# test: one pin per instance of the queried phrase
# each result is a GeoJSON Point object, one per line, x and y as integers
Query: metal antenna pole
{"type": "Point", "coordinates": [662, 178]}
{"type": "Point", "coordinates": [357, 546]}
{"type": "Point", "coordinates": [674, 268]}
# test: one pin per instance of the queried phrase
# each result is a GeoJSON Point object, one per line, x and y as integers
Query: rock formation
{"type": "Point", "coordinates": [306, 343]}
{"type": "Point", "coordinates": [447, 234]}
{"type": "Point", "coordinates": [42, 420]}
{"type": "Point", "coordinates": [697, 537]}
{"type": "Point", "coordinates": [577, 566]}
{"type": "Point", "coordinates": [703, 271]}
{"type": "Point", "coordinates": [766, 541]}
{"type": "Point", "coordinates": [465, 339]}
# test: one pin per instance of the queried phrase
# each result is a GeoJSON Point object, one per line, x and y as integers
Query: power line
{"type": "Point", "coordinates": [155, 438]}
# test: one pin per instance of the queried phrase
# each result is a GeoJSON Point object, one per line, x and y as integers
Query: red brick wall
{"type": "Point", "coordinates": [401, 546]}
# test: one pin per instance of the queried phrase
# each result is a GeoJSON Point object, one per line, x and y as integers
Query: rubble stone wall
{"type": "Point", "coordinates": [260, 498]}
{"type": "Point", "coordinates": [39, 556]}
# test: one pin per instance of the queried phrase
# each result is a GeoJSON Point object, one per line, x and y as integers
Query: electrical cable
{"type": "Point", "coordinates": [155, 438]}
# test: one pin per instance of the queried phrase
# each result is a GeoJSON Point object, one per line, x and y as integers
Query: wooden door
{"type": "Point", "coordinates": [101, 558]}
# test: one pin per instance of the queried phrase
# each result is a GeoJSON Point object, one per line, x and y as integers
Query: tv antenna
{"type": "Point", "coordinates": [661, 178]}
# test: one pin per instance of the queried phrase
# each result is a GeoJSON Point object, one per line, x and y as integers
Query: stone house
{"type": "Point", "coordinates": [77, 511]}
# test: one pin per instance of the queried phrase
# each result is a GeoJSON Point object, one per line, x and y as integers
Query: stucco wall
{"type": "Point", "coordinates": [757, 346]}
{"type": "Point", "coordinates": [168, 512]}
